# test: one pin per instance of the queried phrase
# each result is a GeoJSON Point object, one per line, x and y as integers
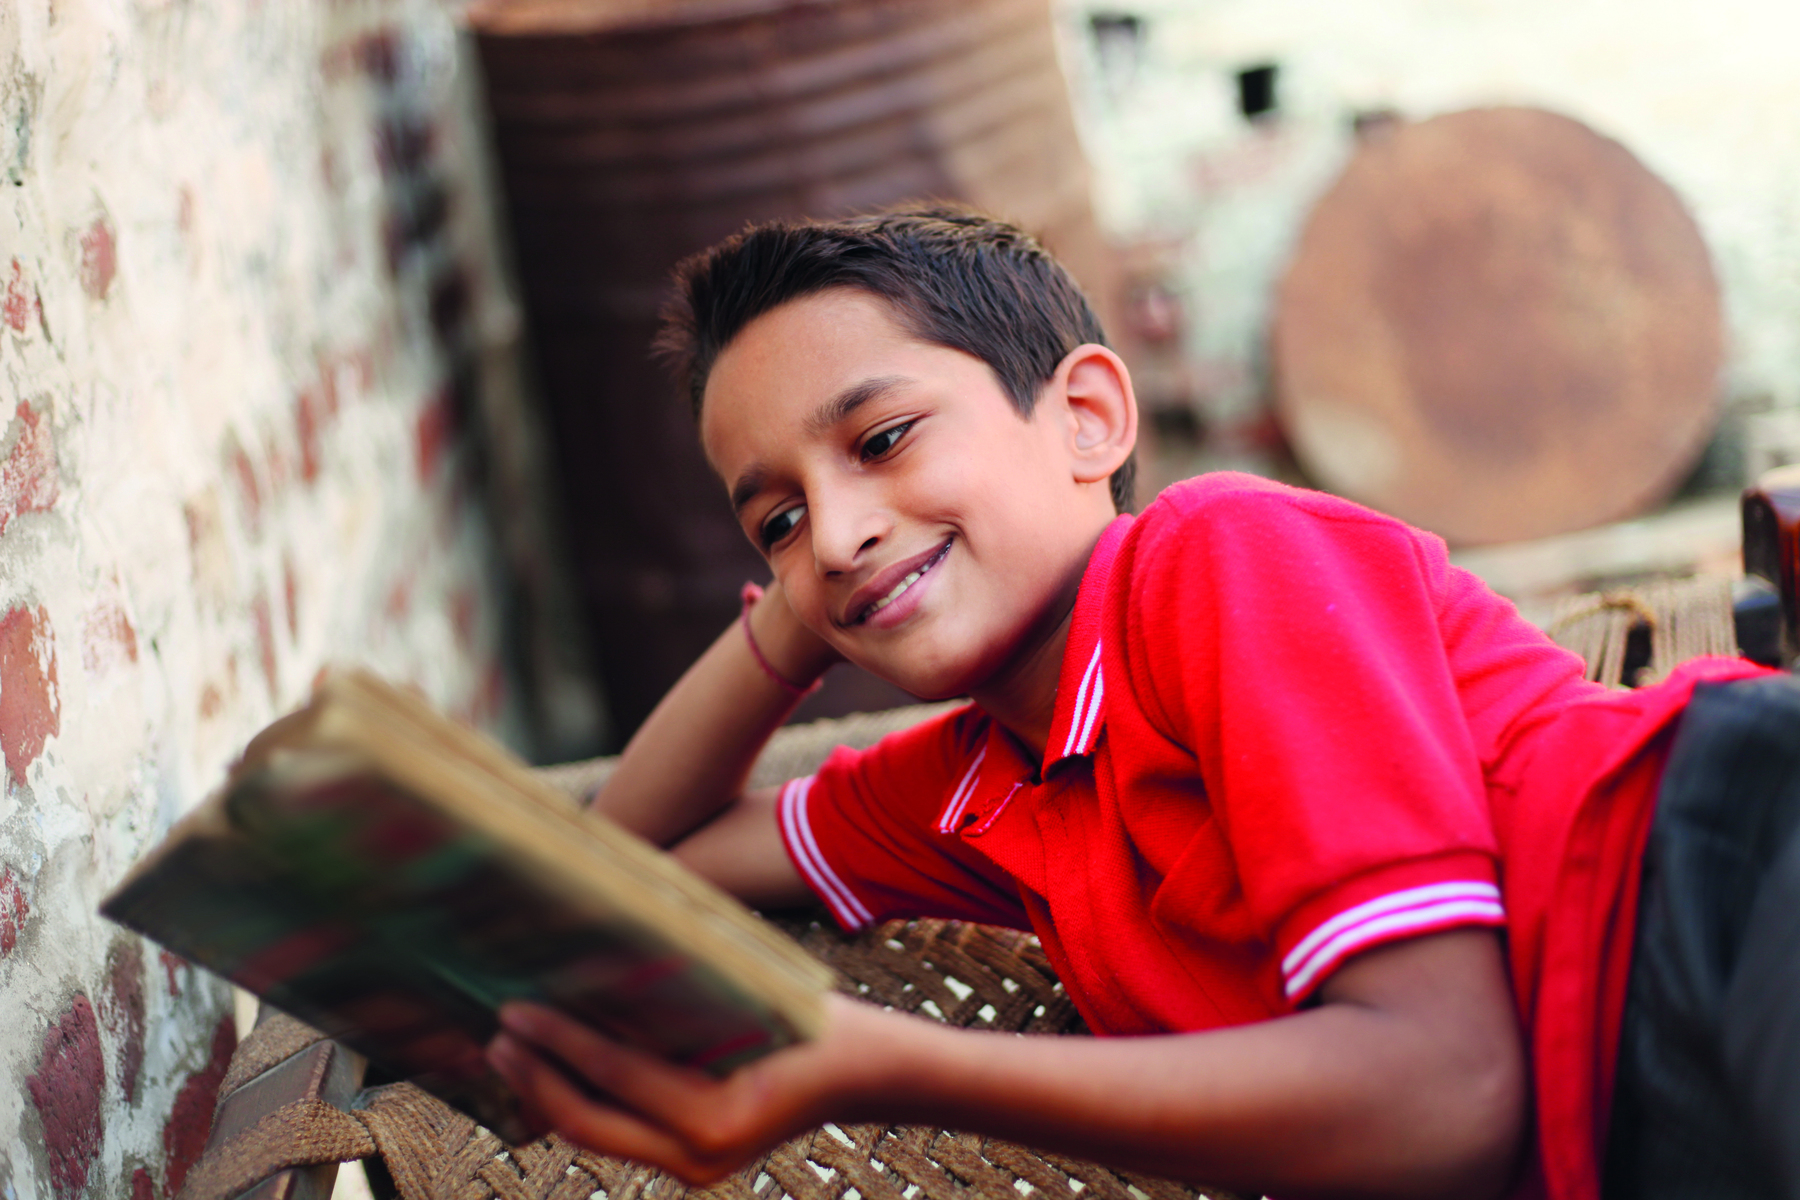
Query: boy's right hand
{"type": "Point", "coordinates": [681, 782]}
{"type": "Point", "coordinates": [795, 651]}
{"type": "Point", "coordinates": [633, 1105]}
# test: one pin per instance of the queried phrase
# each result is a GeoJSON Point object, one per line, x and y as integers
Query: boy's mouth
{"type": "Point", "coordinates": [899, 589]}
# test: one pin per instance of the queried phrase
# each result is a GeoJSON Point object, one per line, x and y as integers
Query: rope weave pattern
{"type": "Point", "coordinates": [301, 1134]}
{"type": "Point", "coordinates": [970, 975]}
{"type": "Point", "coordinates": [1686, 618]}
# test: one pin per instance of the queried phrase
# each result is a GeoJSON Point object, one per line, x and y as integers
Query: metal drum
{"type": "Point", "coordinates": [630, 135]}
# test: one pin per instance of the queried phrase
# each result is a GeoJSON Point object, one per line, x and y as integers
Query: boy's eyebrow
{"type": "Point", "coordinates": [748, 484]}
{"type": "Point", "coordinates": [851, 399]}
{"type": "Point", "coordinates": [827, 415]}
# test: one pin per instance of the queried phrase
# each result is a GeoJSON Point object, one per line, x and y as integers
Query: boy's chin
{"type": "Point", "coordinates": [935, 694]}
{"type": "Point", "coordinates": [927, 685]}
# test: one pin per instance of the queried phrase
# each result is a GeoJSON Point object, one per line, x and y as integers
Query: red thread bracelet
{"type": "Point", "coordinates": [751, 594]}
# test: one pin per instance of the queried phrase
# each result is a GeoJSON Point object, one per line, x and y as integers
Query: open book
{"type": "Point", "coordinates": [391, 878]}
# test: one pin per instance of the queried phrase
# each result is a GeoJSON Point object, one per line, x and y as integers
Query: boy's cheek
{"type": "Point", "coordinates": [808, 608]}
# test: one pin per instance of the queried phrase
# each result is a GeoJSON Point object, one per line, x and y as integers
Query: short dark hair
{"type": "Point", "coordinates": [953, 276]}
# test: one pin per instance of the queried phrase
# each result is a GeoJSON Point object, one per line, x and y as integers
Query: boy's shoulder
{"type": "Point", "coordinates": [1230, 568]}
{"type": "Point", "coordinates": [1256, 497]}
{"type": "Point", "coordinates": [1236, 521]}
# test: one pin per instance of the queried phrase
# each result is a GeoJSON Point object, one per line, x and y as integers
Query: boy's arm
{"type": "Point", "coordinates": [1407, 1080]}
{"type": "Point", "coordinates": [680, 781]}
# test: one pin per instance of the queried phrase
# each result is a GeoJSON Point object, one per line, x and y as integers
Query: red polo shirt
{"type": "Point", "coordinates": [1287, 730]}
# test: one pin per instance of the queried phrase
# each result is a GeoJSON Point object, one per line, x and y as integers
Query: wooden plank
{"type": "Point", "coordinates": [323, 1071]}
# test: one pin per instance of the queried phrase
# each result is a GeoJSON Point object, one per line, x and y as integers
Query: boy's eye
{"type": "Point", "coordinates": [781, 524]}
{"type": "Point", "coordinates": [884, 441]}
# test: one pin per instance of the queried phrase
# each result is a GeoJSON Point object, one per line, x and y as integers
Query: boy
{"type": "Point", "coordinates": [1349, 850]}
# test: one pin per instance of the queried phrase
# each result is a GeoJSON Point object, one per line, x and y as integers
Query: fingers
{"type": "Point", "coordinates": [698, 1127]}
{"type": "Point", "coordinates": [548, 1095]}
{"type": "Point", "coordinates": [638, 1080]}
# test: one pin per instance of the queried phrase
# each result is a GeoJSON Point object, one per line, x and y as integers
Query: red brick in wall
{"type": "Point", "coordinates": [14, 908]}
{"type": "Point", "coordinates": [190, 1119]}
{"type": "Point", "coordinates": [29, 710]}
{"type": "Point", "coordinates": [67, 1089]}
{"type": "Point", "coordinates": [124, 1011]}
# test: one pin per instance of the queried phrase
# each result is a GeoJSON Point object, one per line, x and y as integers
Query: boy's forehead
{"type": "Point", "coordinates": [811, 333]}
{"type": "Point", "coordinates": [799, 354]}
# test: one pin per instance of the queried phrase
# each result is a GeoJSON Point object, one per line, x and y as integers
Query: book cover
{"type": "Point", "coordinates": [386, 918]}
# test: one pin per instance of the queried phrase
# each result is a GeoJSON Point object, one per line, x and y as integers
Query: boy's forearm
{"type": "Point", "coordinates": [692, 755]}
{"type": "Point", "coordinates": [1222, 1109]}
{"type": "Point", "coordinates": [1408, 1080]}
{"type": "Point", "coordinates": [1347, 1098]}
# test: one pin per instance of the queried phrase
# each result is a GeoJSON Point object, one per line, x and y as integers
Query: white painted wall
{"type": "Point", "coordinates": [1703, 91]}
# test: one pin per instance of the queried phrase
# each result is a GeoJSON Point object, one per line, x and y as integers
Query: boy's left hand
{"type": "Point", "coordinates": [685, 1122]}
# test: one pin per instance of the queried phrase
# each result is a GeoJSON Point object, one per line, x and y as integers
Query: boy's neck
{"type": "Point", "coordinates": [1022, 697]}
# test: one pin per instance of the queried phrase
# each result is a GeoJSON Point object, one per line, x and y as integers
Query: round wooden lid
{"type": "Point", "coordinates": [1498, 325]}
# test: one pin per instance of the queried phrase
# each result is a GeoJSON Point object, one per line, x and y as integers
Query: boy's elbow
{"type": "Point", "coordinates": [1495, 1130]}
{"type": "Point", "coordinates": [1451, 1109]}
{"type": "Point", "coordinates": [1478, 1118]}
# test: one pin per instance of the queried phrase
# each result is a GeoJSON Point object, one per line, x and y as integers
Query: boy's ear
{"type": "Point", "coordinates": [1103, 417]}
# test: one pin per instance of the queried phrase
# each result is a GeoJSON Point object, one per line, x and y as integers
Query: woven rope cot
{"type": "Point", "coordinates": [967, 975]}
{"type": "Point", "coordinates": [1680, 618]}
{"type": "Point", "coordinates": [291, 1106]}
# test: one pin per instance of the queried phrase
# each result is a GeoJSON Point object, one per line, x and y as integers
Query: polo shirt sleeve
{"type": "Point", "coordinates": [863, 832]}
{"type": "Point", "coordinates": [1291, 643]}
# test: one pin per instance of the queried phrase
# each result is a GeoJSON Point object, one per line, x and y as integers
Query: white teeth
{"type": "Point", "coordinates": [895, 594]}
{"type": "Point", "coordinates": [901, 587]}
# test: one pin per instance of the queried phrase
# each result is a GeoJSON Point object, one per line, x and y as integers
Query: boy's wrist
{"type": "Point", "coordinates": [794, 652]}
{"type": "Point", "coordinates": [875, 1062]}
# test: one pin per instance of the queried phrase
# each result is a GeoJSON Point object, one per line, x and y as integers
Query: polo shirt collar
{"type": "Point", "coordinates": [1081, 687]}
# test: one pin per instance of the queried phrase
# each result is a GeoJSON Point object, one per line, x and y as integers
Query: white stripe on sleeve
{"type": "Point", "coordinates": [1417, 908]}
{"type": "Point", "coordinates": [791, 808]}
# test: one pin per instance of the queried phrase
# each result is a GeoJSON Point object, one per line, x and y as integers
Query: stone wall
{"type": "Point", "coordinates": [248, 300]}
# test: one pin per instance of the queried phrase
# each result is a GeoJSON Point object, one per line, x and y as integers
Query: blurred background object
{"type": "Point", "coordinates": [631, 135]}
{"type": "Point", "coordinates": [1771, 509]}
{"type": "Point", "coordinates": [1217, 128]}
{"type": "Point", "coordinates": [1499, 325]}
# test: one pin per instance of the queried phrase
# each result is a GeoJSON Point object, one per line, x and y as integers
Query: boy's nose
{"type": "Point", "coordinates": [843, 535]}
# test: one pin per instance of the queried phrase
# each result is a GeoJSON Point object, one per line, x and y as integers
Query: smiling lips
{"type": "Point", "coordinates": [899, 588]}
